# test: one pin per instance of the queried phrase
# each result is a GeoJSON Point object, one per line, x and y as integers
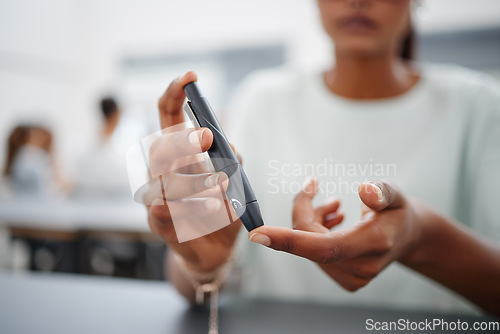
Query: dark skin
{"type": "Point", "coordinates": [393, 227]}
{"type": "Point", "coordinates": [367, 37]}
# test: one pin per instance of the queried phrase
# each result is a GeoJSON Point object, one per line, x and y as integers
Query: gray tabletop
{"type": "Point", "coordinates": [73, 215]}
{"type": "Point", "coordinates": [55, 303]}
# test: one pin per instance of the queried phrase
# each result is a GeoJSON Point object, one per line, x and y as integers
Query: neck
{"type": "Point", "coordinates": [108, 130]}
{"type": "Point", "coordinates": [369, 78]}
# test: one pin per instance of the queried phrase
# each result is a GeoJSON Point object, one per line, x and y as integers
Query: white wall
{"type": "Point", "coordinates": [450, 15]}
{"type": "Point", "coordinates": [58, 56]}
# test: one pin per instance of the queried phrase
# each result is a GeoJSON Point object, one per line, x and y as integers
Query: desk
{"type": "Point", "coordinates": [72, 216]}
{"type": "Point", "coordinates": [70, 228]}
{"type": "Point", "coordinates": [62, 303]}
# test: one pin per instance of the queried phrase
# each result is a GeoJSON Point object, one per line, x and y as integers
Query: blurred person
{"type": "Point", "coordinates": [101, 179]}
{"type": "Point", "coordinates": [29, 168]}
{"type": "Point", "coordinates": [433, 229]}
{"type": "Point", "coordinates": [101, 170]}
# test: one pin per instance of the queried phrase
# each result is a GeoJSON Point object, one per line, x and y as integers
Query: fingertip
{"type": "Point", "coordinates": [259, 238]}
{"type": "Point", "coordinates": [217, 179]}
{"type": "Point", "coordinates": [333, 219]}
{"type": "Point", "coordinates": [372, 195]}
{"type": "Point", "coordinates": [190, 76]}
{"type": "Point", "coordinates": [177, 85]}
{"type": "Point", "coordinates": [338, 215]}
{"type": "Point", "coordinates": [213, 180]}
{"type": "Point", "coordinates": [207, 138]}
{"type": "Point", "coordinates": [224, 180]}
{"type": "Point", "coordinates": [372, 188]}
{"type": "Point", "coordinates": [259, 229]}
{"type": "Point", "coordinates": [175, 90]}
{"type": "Point", "coordinates": [310, 186]}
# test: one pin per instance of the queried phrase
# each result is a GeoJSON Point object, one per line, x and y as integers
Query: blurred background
{"type": "Point", "coordinates": [79, 83]}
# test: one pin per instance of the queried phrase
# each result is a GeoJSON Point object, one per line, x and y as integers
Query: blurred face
{"type": "Point", "coordinates": [41, 138]}
{"type": "Point", "coordinates": [113, 119]}
{"type": "Point", "coordinates": [365, 28]}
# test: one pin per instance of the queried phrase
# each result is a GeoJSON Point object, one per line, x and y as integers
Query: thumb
{"type": "Point", "coordinates": [380, 195]}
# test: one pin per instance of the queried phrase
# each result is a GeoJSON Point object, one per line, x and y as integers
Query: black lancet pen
{"type": "Point", "coordinates": [239, 191]}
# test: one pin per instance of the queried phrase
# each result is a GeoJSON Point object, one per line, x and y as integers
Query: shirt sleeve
{"type": "Point", "coordinates": [483, 163]}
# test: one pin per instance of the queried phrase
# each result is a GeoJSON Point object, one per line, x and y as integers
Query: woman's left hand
{"type": "Point", "coordinates": [388, 231]}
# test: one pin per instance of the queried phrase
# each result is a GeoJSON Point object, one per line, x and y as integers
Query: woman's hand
{"type": "Point", "coordinates": [392, 228]}
{"type": "Point", "coordinates": [387, 232]}
{"type": "Point", "coordinates": [185, 194]}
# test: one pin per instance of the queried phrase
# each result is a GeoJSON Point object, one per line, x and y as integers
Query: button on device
{"type": "Point", "coordinates": [235, 203]}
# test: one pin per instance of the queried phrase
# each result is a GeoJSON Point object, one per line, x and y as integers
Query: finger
{"type": "Point", "coordinates": [168, 149]}
{"type": "Point", "coordinates": [380, 195]}
{"type": "Point", "coordinates": [240, 158]}
{"type": "Point", "coordinates": [178, 186]}
{"type": "Point", "coordinates": [232, 147]}
{"type": "Point", "coordinates": [165, 211]}
{"type": "Point", "coordinates": [329, 207]}
{"type": "Point", "coordinates": [329, 247]}
{"type": "Point", "coordinates": [194, 164]}
{"type": "Point", "coordinates": [160, 221]}
{"type": "Point", "coordinates": [189, 218]}
{"type": "Point", "coordinates": [318, 247]}
{"type": "Point", "coordinates": [170, 103]}
{"type": "Point", "coordinates": [303, 212]}
{"type": "Point", "coordinates": [333, 219]}
{"type": "Point", "coordinates": [218, 191]}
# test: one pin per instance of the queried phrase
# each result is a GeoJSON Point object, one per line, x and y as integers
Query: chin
{"type": "Point", "coordinates": [357, 47]}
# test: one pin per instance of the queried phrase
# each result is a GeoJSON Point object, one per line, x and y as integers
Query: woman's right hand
{"type": "Point", "coordinates": [193, 200]}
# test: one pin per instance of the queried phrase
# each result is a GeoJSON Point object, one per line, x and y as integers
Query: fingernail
{"type": "Point", "coordinates": [195, 137]}
{"type": "Point", "coordinates": [212, 180]}
{"type": "Point", "coordinates": [212, 204]}
{"type": "Point", "coordinates": [223, 177]}
{"type": "Point", "coordinates": [378, 191]}
{"type": "Point", "coordinates": [331, 216]}
{"type": "Point", "coordinates": [260, 239]}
